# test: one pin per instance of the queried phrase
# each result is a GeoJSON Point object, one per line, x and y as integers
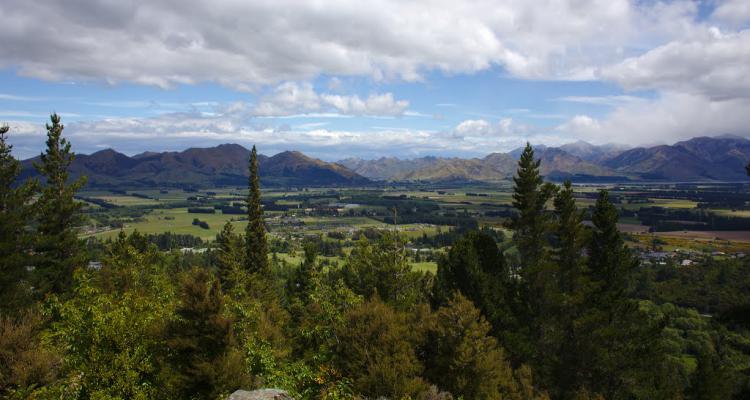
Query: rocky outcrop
{"type": "Point", "coordinates": [261, 394]}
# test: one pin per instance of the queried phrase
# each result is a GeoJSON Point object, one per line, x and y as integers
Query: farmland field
{"type": "Point", "coordinates": [425, 215]}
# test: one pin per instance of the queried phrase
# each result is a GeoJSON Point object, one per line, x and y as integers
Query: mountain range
{"type": "Point", "coordinates": [698, 159]}
{"type": "Point", "coordinates": [223, 165]}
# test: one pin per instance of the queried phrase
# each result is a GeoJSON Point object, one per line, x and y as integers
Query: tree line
{"type": "Point", "coordinates": [560, 320]}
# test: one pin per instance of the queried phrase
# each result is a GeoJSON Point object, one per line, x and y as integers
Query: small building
{"type": "Point", "coordinates": [95, 265]}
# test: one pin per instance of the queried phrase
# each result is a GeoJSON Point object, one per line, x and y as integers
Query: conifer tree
{"type": "Point", "coordinates": [570, 240]}
{"type": "Point", "coordinates": [610, 262]}
{"type": "Point", "coordinates": [230, 255]}
{"type": "Point", "coordinates": [560, 346]}
{"type": "Point", "coordinates": [304, 277]}
{"type": "Point", "coordinates": [476, 268]}
{"type": "Point", "coordinates": [200, 336]}
{"type": "Point", "coordinates": [58, 245]}
{"type": "Point", "coordinates": [537, 274]}
{"type": "Point", "coordinates": [15, 212]}
{"type": "Point", "coordinates": [464, 359]}
{"type": "Point", "coordinates": [618, 341]}
{"type": "Point", "coordinates": [256, 256]}
{"type": "Point", "coordinates": [530, 195]}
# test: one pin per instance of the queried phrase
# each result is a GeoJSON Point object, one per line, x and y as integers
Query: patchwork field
{"type": "Point", "coordinates": [426, 214]}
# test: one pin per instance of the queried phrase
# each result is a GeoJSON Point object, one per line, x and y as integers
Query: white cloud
{"type": "Point", "coordinates": [177, 131]}
{"type": "Point", "coordinates": [375, 104]}
{"type": "Point", "coordinates": [672, 117]}
{"type": "Point", "coordinates": [714, 65]}
{"type": "Point", "coordinates": [579, 123]}
{"type": "Point", "coordinates": [247, 44]}
{"type": "Point", "coordinates": [291, 98]}
{"type": "Point", "coordinates": [614, 100]}
{"type": "Point", "coordinates": [473, 128]}
{"type": "Point", "coordinates": [735, 12]}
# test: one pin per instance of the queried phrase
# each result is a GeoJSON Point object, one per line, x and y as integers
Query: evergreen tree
{"type": "Point", "coordinates": [199, 338]}
{"type": "Point", "coordinates": [376, 348]}
{"type": "Point", "coordinates": [463, 359]}
{"type": "Point", "coordinates": [531, 227]}
{"type": "Point", "coordinates": [611, 263]}
{"type": "Point", "coordinates": [305, 277]}
{"type": "Point", "coordinates": [559, 347]}
{"type": "Point", "coordinates": [256, 247]}
{"type": "Point", "coordinates": [619, 344]}
{"type": "Point", "coordinates": [476, 268]}
{"type": "Point", "coordinates": [570, 240]}
{"type": "Point", "coordinates": [15, 240]}
{"type": "Point", "coordinates": [229, 258]}
{"type": "Point", "coordinates": [530, 195]}
{"type": "Point", "coordinates": [58, 246]}
{"type": "Point", "coordinates": [383, 269]}
{"type": "Point", "coordinates": [711, 379]}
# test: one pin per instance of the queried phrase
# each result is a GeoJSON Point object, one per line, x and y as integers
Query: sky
{"type": "Point", "coordinates": [368, 79]}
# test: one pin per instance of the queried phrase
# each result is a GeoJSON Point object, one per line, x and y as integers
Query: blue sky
{"type": "Point", "coordinates": [341, 78]}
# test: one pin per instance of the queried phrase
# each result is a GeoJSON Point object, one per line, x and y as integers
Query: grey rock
{"type": "Point", "coordinates": [260, 394]}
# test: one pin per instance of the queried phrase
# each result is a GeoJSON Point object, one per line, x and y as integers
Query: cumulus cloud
{"type": "Point", "coordinates": [481, 127]}
{"type": "Point", "coordinates": [291, 98]}
{"type": "Point", "coordinates": [249, 44]}
{"type": "Point", "coordinates": [671, 117]}
{"type": "Point", "coordinates": [714, 65]}
{"type": "Point", "coordinates": [695, 67]}
{"type": "Point", "coordinates": [735, 12]}
{"type": "Point", "coordinates": [177, 131]}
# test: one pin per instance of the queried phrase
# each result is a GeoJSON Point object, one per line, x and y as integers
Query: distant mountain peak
{"type": "Point", "coordinates": [225, 164]}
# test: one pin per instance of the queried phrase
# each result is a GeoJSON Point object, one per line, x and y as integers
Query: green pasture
{"type": "Point", "coordinates": [178, 220]}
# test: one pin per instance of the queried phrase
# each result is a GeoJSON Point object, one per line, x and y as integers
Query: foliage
{"type": "Point", "coordinates": [256, 247]}
{"type": "Point", "coordinates": [107, 337]}
{"type": "Point", "coordinates": [200, 338]}
{"type": "Point", "coordinates": [383, 270]}
{"type": "Point", "coordinates": [463, 359]}
{"type": "Point", "coordinates": [16, 242]}
{"type": "Point", "coordinates": [376, 349]}
{"type": "Point", "coordinates": [574, 316]}
{"type": "Point", "coordinates": [58, 247]}
{"type": "Point", "coordinates": [24, 362]}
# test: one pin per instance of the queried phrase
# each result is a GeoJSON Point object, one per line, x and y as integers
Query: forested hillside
{"type": "Point", "coordinates": [567, 313]}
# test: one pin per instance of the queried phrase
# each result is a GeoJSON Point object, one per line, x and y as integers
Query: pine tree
{"type": "Point", "coordinates": [229, 258]}
{"type": "Point", "coordinates": [303, 279]}
{"type": "Point", "coordinates": [256, 258]}
{"type": "Point", "coordinates": [15, 240]}
{"type": "Point", "coordinates": [570, 240]}
{"type": "Point", "coordinates": [610, 262]}
{"type": "Point", "coordinates": [619, 345]}
{"type": "Point", "coordinates": [463, 358]}
{"type": "Point", "coordinates": [476, 268]}
{"type": "Point", "coordinates": [537, 273]}
{"type": "Point", "coordinates": [530, 195]}
{"type": "Point", "coordinates": [560, 345]}
{"type": "Point", "coordinates": [200, 336]}
{"type": "Point", "coordinates": [58, 245]}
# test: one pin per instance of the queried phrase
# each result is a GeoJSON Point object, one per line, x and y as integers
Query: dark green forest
{"type": "Point", "coordinates": [572, 316]}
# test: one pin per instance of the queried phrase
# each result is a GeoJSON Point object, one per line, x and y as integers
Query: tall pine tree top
{"type": "Point", "coordinates": [16, 211]}
{"type": "Point", "coordinates": [610, 261]}
{"type": "Point", "coordinates": [530, 194]}
{"type": "Point", "coordinates": [58, 243]}
{"type": "Point", "coordinates": [256, 259]}
{"type": "Point", "coordinates": [570, 239]}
